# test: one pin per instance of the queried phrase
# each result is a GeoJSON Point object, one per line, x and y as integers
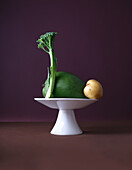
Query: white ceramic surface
{"type": "Point", "coordinates": [66, 123]}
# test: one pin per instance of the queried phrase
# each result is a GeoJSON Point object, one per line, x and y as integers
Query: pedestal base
{"type": "Point", "coordinates": [66, 124]}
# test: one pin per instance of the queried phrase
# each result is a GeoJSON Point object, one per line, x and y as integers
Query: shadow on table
{"type": "Point", "coordinates": [113, 129]}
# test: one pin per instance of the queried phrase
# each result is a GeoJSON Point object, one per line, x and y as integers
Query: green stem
{"type": "Point", "coordinates": [45, 50]}
{"type": "Point", "coordinates": [53, 73]}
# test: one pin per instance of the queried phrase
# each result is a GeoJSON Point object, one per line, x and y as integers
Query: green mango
{"type": "Point", "coordinates": [68, 85]}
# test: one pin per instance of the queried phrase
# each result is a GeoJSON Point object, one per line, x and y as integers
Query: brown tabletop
{"type": "Point", "coordinates": [30, 146]}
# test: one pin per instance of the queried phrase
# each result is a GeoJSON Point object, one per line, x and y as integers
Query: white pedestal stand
{"type": "Point", "coordinates": [66, 123]}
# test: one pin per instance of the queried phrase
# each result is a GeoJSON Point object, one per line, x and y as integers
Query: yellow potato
{"type": "Point", "coordinates": [93, 89]}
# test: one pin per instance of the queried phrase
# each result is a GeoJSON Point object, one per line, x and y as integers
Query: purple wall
{"type": "Point", "coordinates": [93, 41]}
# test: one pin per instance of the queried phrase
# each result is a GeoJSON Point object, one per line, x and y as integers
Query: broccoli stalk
{"type": "Point", "coordinates": [46, 42]}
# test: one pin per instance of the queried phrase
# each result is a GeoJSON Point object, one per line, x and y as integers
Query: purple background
{"type": "Point", "coordinates": [93, 41]}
